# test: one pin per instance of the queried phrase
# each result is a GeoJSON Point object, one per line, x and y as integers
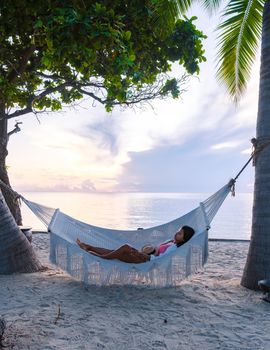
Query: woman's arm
{"type": "Point", "coordinates": [171, 240]}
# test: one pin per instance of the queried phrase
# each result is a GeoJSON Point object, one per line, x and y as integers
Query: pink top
{"type": "Point", "coordinates": [163, 247]}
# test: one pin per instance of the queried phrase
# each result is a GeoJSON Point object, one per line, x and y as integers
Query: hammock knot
{"type": "Point", "coordinates": [254, 150]}
{"type": "Point", "coordinates": [17, 196]}
{"type": "Point", "coordinates": [231, 185]}
{"type": "Point", "coordinates": [258, 145]}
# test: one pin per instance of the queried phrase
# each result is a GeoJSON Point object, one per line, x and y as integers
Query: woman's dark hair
{"type": "Point", "coordinates": [188, 233]}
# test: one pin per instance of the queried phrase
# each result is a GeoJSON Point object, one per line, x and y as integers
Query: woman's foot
{"type": "Point", "coordinates": [82, 245]}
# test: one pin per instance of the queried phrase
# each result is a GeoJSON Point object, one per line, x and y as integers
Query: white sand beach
{"type": "Point", "coordinates": [50, 310]}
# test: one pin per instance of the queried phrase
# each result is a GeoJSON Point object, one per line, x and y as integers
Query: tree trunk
{"type": "Point", "coordinates": [10, 198]}
{"type": "Point", "coordinates": [16, 253]}
{"type": "Point", "coordinates": [258, 260]}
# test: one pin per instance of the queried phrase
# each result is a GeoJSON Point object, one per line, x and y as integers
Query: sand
{"type": "Point", "coordinates": [50, 310]}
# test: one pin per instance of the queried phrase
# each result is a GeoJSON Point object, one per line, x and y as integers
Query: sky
{"type": "Point", "coordinates": [193, 144]}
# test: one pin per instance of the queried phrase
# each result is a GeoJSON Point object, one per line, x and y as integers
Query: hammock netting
{"type": "Point", "coordinates": [166, 270]}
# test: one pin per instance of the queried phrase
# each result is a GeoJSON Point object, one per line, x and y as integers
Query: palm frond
{"type": "Point", "coordinates": [166, 12]}
{"type": "Point", "coordinates": [239, 37]}
{"type": "Point", "coordinates": [183, 5]}
{"type": "Point", "coordinates": [212, 5]}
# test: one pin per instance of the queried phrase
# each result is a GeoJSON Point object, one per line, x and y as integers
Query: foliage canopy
{"type": "Point", "coordinates": [239, 36]}
{"type": "Point", "coordinates": [55, 52]}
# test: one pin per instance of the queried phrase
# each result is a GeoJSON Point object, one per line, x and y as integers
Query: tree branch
{"type": "Point", "coordinates": [29, 107]}
{"type": "Point", "coordinates": [20, 112]}
{"type": "Point", "coordinates": [15, 130]}
{"type": "Point", "coordinates": [145, 94]}
{"type": "Point", "coordinates": [92, 95]}
{"type": "Point", "coordinates": [96, 84]}
{"type": "Point", "coordinates": [25, 58]}
{"type": "Point", "coordinates": [52, 90]}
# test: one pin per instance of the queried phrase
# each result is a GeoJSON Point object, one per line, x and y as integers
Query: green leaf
{"type": "Point", "coordinates": [38, 24]}
{"type": "Point", "coordinates": [110, 52]}
{"type": "Point", "coordinates": [132, 57]}
{"type": "Point", "coordinates": [239, 37]}
{"type": "Point", "coordinates": [127, 35]}
{"type": "Point", "coordinates": [212, 5]}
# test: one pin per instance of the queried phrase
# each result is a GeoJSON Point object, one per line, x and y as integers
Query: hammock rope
{"type": "Point", "coordinates": [166, 270]}
{"type": "Point", "coordinates": [256, 149]}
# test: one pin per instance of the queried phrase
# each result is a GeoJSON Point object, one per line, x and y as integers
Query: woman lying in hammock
{"type": "Point", "coordinates": [128, 254]}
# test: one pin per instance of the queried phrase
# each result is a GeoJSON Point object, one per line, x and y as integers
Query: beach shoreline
{"type": "Point", "coordinates": [210, 310]}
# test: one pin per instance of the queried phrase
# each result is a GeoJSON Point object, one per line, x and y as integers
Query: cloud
{"type": "Point", "coordinates": [85, 186]}
{"type": "Point", "coordinates": [122, 151]}
{"type": "Point", "coordinates": [103, 133]}
{"type": "Point", "coordinates": [177, 169]}
{"type": "Point", "coordinates": [225, 145]}
{"type": "Point", "coordinates": [174, 146]}
{"type": "Point", "coordinates": [88, 186]}
{"type": "Point", "coordinates": [247, 151]}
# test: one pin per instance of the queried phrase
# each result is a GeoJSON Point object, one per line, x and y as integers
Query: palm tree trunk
{"type": "Point", "coordinates": [258, 260]}
{"type": "Point", "coordinates": [10, 198]}
{"type": "Point", "coordinates": [16, 253]}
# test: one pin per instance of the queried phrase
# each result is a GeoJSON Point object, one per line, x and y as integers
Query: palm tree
{"type": "Point", "coordinates": [246, 22]}
{"type": "Point", "coordinates": [16, 253]}
{"type": "Point", "coordinates": [258, 259]}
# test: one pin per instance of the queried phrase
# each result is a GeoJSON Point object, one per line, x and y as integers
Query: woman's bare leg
{"type": "Point", "coordinates": [125, 253]}
{"type": "Point", "coordinates": [90, 248]}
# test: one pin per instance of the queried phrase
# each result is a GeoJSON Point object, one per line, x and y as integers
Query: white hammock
{"type": "Point", "coordinates": [166, 270]}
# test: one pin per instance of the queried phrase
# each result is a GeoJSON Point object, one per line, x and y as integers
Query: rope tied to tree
{"type": "Point", "coordinates": [17, 196]}
{"type": "Point", "coordinates": [256, 149]}
{"type": "Point", "coordinates": [258, 145]}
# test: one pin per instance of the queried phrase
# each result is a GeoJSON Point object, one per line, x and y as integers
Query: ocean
{"type": "Point", "coordinates": [133, 210]}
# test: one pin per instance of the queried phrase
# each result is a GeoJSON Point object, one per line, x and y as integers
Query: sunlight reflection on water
{"type": "Point", "coordinates": [133, 210]}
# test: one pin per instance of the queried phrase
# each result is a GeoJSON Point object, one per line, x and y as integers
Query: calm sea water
{"type": "Point", "coordinates": [133, 210]}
